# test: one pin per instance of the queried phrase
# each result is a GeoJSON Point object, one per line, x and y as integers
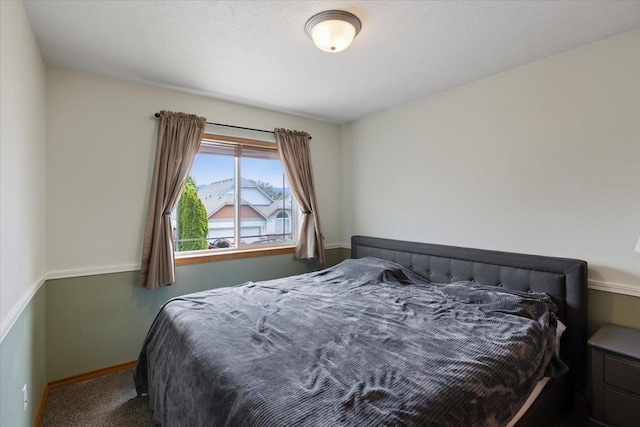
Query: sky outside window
{"type": "Point", "coordinates": [207, 169]}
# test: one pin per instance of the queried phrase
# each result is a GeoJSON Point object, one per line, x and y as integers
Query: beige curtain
{"type": "Point", "coordinates": [179, 137]}
{"type": "Point", "coordinates": [296, 161]}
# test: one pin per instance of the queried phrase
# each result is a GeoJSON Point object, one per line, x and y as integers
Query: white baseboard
{"type": "Point", "coordinates": [10, 319]}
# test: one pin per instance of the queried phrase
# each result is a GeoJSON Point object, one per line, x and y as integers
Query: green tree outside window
{"type": "Point", "coordinates": [192, 219]}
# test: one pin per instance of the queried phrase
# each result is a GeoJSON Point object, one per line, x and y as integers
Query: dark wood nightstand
{"type": "Point", "coordinates": [615, 369]}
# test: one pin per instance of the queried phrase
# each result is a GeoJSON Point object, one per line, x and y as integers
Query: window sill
{"type": "Point", "coordinates": [213, 256]}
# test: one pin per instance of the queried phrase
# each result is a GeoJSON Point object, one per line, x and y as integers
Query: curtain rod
{"type": "Point", "coordinates": [236, 127]}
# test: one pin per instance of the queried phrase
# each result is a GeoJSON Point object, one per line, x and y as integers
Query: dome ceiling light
{"type": "Point", "coordinates": [333, 30]}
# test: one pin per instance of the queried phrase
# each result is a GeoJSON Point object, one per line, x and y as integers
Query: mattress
{"type": "Point", "coordinates": [527, 404]}
{"type": "Point", "coordinates": [366, 342]}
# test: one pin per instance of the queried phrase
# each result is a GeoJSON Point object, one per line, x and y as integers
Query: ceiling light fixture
{"type": "Point", "coordinates": [333, 30]}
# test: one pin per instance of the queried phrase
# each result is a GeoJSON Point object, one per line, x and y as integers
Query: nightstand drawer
{"type": "Point", "coordinates": [622, 374]}
{"type": "Point", "coordinates": [621, 409]}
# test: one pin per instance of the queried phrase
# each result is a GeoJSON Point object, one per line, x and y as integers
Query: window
{"type": "Point", "coordinates": [236, 197]}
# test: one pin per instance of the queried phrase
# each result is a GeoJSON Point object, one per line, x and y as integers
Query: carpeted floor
{"type": "Point", "coordinates": [105, 401]}
{"type": "Point", "coordinates": [111, 400]}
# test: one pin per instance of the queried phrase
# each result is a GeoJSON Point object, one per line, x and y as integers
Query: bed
{"type": "Point", "coordinates": [355, 344]}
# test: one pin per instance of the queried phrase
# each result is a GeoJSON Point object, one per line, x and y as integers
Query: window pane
{"type": "Point", "coordinates": [213, 179]}
{"type": "Point", "coordinates": [204, 215]}
{"type": "Point", "coordinates": [265, 213]}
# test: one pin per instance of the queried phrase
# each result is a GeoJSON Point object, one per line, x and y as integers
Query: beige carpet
{"type": "Point", "coordinates": [106, 401]}
{"type": "Point", "coordinates": [111, 400]}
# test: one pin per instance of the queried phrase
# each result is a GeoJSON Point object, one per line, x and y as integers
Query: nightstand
{"type": "Point", "coordinates": [615, 370]}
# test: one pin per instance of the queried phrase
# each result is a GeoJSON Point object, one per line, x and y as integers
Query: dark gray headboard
{"type": "Point", "coordinates": [565, 280]}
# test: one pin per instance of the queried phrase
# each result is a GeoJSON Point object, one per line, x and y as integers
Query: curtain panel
{"type": "Point", "coordinates": [179, 137]}
{"type": "Point", "coordinates": [295, 156]}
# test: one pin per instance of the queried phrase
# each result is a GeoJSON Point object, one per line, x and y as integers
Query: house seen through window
{"type": "Point", "coordinates": [236, 197]}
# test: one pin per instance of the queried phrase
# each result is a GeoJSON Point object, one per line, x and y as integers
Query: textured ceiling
{"type": "Point", "coordinates": [256, 52]}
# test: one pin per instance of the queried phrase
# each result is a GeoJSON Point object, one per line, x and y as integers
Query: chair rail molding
{"type": "Point", "coordinates": [92, 271]}
{"type": "Point", "coordinates": [616, 288]}
{"type": "Point", "coordinates": [10, 319]}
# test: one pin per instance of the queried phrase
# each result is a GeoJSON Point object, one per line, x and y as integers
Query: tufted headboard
{"type": "Point", "coordinates": [565, 280]}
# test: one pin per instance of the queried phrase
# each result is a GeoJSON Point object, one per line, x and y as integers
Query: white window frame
{"type": "Point", "coordinates": [240, 249]}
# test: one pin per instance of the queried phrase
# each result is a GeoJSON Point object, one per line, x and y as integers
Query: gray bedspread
{"type": "Point", "coordinates": [366, 342]}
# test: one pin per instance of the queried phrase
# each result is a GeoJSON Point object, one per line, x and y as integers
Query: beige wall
{"type": "Point", "coordinates": [22, 217]}
{"type": "Point", "coordinates": [22, 157]}
{"type": "Point", "coordinates": [101, 138]}
{"type": "Point", "coordinates": [542, 159]}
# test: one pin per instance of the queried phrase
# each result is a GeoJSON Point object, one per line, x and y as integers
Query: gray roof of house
{"type": "Point", "coordinates": [213, 198]}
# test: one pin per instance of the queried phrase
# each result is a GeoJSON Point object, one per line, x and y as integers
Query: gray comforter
{"type": "Point", "coordinates": [366, 342]}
